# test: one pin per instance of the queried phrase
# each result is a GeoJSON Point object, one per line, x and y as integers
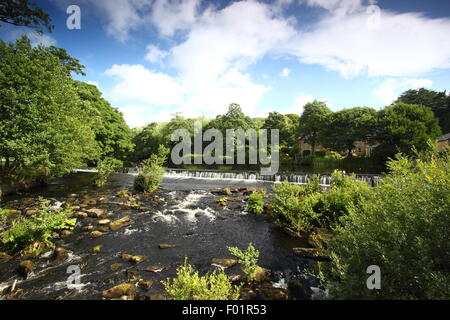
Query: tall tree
{"type": "Point", "coordinates": [26, 14]}
{"type": "Point", "coordinates": [347, 126]}
{"type": "Point", "coordinates": [402, 126]}
{"type": "Point", "coordinates": [45, 129]}
{"type": "Point", "coordinates": [111, 132]}
{"type": "Point", "coordinates": [439, 102]}
{"type": "Point", "coordinates": [313, 122]}
{"type": "Point", "coordinates": [234, 118]}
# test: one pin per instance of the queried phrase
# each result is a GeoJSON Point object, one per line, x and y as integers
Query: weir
{"type": "Point", "coordinates": [293, 177]}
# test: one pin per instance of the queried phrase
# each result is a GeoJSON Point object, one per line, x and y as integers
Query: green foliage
{"type": "Point", "coordinates": [402, 126]}
{"type": "Point", "coordinates": [39, 227]}
{"type": "Point", "coordinates": [313, 122]}
{"type": "Point", "coordinates": [188, 285]}
{"type": "Point", "coordinates": [347, 126]}
{"type": "Point", "coordinates": [248, 259]}
{"type": "Point", "coordinates": [222, 201]}
{"type": "Point", "coordinates": [23, 13]}
{"type": "Point", "coordinates": [45, 130]}
{"type": "Point", "coordinates": [151, 171]}
{"type": "Point", "coordinates": [302, 208]}
{"type": "Point", "coordinates": [403, 227]}
{"type": "Point", "coordinates": [112, 134]}
{"type": "Point", "coordinates": [255, 202]}
{"type": "Point", "coordinates": [105, 168]}
{"type": "Point", "coordinates": [438, 102]}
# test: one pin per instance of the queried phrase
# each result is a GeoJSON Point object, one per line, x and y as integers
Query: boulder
{"type": "Point", "coordinates": [96, 234]}
{"type": "Point", "coordinates": [166, 246]}
{"type": "Point", "coordinates": [261, 274]}
{"type": "Point", "coordinates": [226, 263]}
{"type": "Point", "coordinates": [131, 258]}
{"type": "Point", "coordinates": [65, 233]}
{"type": "Point", "coordinates": [115, 266]}
{"type": "Point", "coordinates": [222, 217]}
{"type": "Point", "coordinates": [103, 222]}
{"type": "Point", "coordinates": [26, 267]}
{"type": "Point", "coordinates": [118, 291]}
{"type": "Point", "coordinates": [87, 228]}
{"type": "Point", "coordinates": [59, 255]}
{"type": "Point", "coordinates": [80, 214]}
{"type": "Point", "coordinates": [119, 223]}
{"type": "Point", "coordinates": [96, 249]}
{"type": "Point", "coordinates": [96, 213]}
{"type": "Point", "coordinates": [146, 284]}
{"type": "Point", "coordinates": [313, 253]}
{"type": "Point", "coordinates": [155, 268]}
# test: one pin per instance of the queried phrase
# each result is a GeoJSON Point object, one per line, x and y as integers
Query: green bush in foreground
{"type": "Point", "coordinates": [39, 227]}
{"type": "Point", "coordinates": [248, 259]}
{"type": "Point", "coordinates": [151, 171]}
{"type": "Point", "coordinates": [188, 285]}
{"type": "Point", "coordinates": [255, 202]}
{"type": "Point", "coordinates": [402, 227]}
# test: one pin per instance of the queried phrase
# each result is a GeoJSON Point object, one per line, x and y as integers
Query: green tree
{"type": "Point", "coordinates": [45, 129]}
{"type": "Point", "coordinates": [234, 118]}
{"type": "Point", "coordinates": [23, 13]}
{"type": "Point", "coordinates": [402, 126]}
{"type": "Point", "coordinates": [288, 130]}
{"type": "Point", "coordinates": [313, 122]}
{"type": "Point", "coordinates": [347, 126]}
{"type": "Point", "coordinates": [439, 102]}
{"type": "Point", "coordinates": [111, 132]}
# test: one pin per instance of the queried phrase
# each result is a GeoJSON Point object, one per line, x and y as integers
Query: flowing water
{"type": "Point", "coordinates": [183, 213]}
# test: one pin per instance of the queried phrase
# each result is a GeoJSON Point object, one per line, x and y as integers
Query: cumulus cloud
{"type": "Point", "coordinates": [390, 89]}
{"type": "Point", "coordinates": [135, 82]}
{"type": "Point", "coordinates": [376, 43]}
{"type": "Point", "coordinates": [300, 101]}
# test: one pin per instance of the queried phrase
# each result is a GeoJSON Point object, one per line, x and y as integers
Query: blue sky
{"type": "Point", "coordinates": [152, 58]}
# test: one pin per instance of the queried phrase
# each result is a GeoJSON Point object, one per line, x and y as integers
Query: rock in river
{"type": "Point", "coordinates": [131, 258]}
{"type": "Point", "coordinates": [118, 291]}
{"type": "Point", "coordinates": [315, 253]}
{"type": "Point", "coordinates": [119, 223]}
{"type": "Point", "coordinates": [26, 267]}
{"type": "Point", "coordinates": [166, 246]}
{"type": "Point", "coordinates": [226, 263]}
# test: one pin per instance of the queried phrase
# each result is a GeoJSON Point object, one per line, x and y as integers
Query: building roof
{"type": "Point", "coordinates": [444, 137]}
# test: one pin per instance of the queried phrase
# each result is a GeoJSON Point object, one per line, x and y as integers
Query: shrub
{"type": "Point", "coordinates": [403, 227]}
{"type": "Point", "coordinates": [306, 153]}
{"type": "Point", "coordinates": [188, 285]}
{"type": "Point", "coordinates": [292, 206]}
{"type": "Point", "coordinates": [151, 171]}
{"type": "Point", "coordinates": [256, 202]}
{"type": "Point", "coordinates": [38, 227]}
{"type": "Point", "coordinates": [248, 259]}
{"type": "Point", "coordinates": [105, 168]}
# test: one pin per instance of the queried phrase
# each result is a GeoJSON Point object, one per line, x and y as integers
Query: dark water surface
{"type": "Point", "coordinates": [183, 213]}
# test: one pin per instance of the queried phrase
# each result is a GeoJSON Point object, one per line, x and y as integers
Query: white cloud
{"type": "Point", "coordinates": [137, 83]}
{"type": "Point", "coordinates": [391, 88]}
{"type": "Point", "coordinates": [154, 54]}
{"type": "Point", "coordinates": [35, 38]}
{"type": "Point", "coordinates": [172, 15]}
{"type": "Point", "coordinates": [285, 73]}
{"type": "Point", "coordinates": [405, 44]}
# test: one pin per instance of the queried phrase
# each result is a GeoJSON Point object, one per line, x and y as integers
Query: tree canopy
{"type": "Point", "coordinates": [26, 14]}
{"type": "Point", "coordinates": [45, 129]}
{"type": "Point", "coordinates": [438, 102]}
{"type": "Point", "coordinates": [313, 121]}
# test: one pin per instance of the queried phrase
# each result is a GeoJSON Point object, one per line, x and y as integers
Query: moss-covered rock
{"type": "Point", "coordinates": [4, 257]}
{"type": "Point", "coordinates": [226, 263]}
{"type": "Point", "coordinates": [313, 253]}
{"type": "Point", "coordinates": [119, 223]}
{"type": "Point", "coordinates": [59, 255]}
{"type": "Point", "coordinates": [132, 258]}
{"type": "Point", "coordinates": [96, 234]}
{"type": "Point", "coordinates": [96, 249]}
{"type": "Point", "coordinates": [261, 274]}
{"type": "Point", "coordinates": [116, 266]}
{"type": "Point", "coordinates": [118, 291]}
